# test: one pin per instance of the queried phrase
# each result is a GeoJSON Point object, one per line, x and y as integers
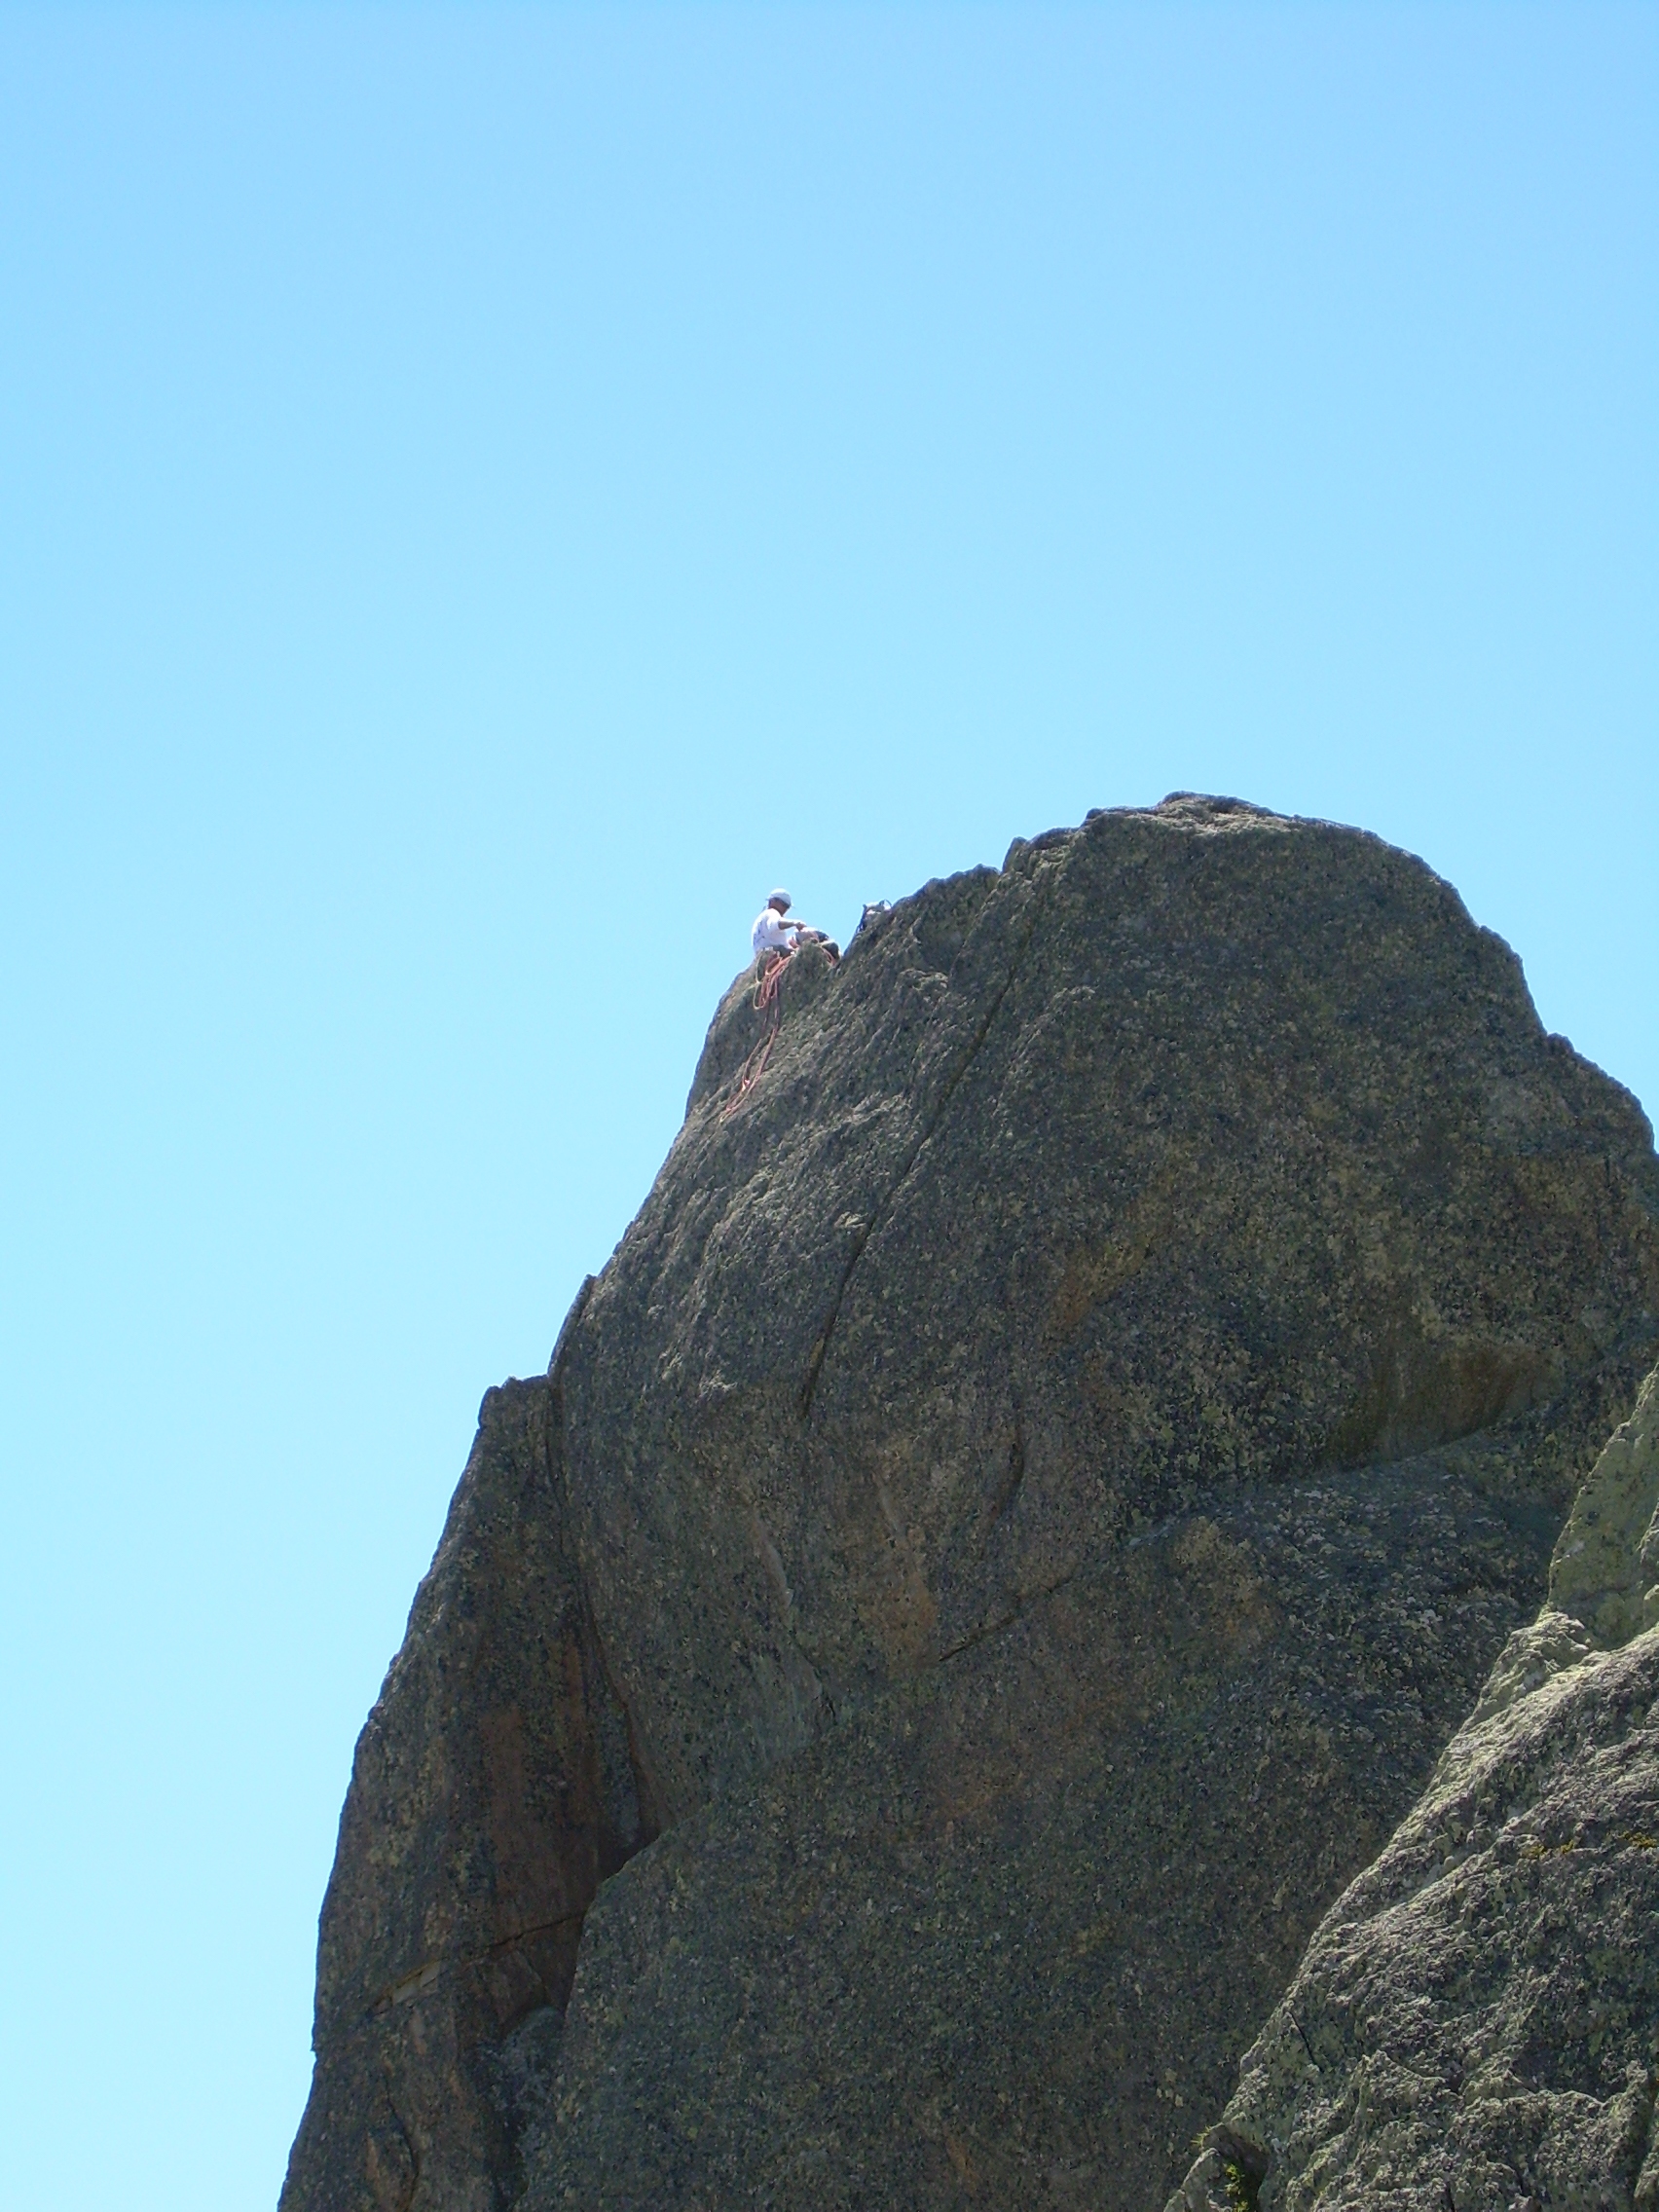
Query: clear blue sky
{"type": "Point", "coordinates": [486, 492]}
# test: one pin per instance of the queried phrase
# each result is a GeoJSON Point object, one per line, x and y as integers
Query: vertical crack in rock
{"type": "Point", "coordinates": [399, 2189]}
{"type": "Point", "coordinates": [1009, 1488]}
{"type": "Point", "coordinates": [948, 1091]}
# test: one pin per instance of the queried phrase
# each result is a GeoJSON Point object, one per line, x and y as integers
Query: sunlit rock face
{"type": "Point", "coordinates": [998, 1549]}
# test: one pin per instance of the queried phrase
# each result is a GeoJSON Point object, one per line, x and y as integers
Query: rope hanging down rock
{"type": "Point", "coordinates": [768, 992]}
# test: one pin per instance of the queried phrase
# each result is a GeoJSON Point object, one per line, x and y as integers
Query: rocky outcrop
{"type": "Point", "coordinates": [1476, 2023]}
{"type": "Point", "coordinates": [494, 1789]}
{"type": "Point", "coordinates": [1016, 1520]}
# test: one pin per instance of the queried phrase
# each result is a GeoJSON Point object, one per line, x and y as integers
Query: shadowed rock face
{"type": "Point", "coordinates": [492, 1792]}
{"type": "Point", "coordinates": [1477, 2017]}
{"type": "Point", "coordinates": [1021, 1512]}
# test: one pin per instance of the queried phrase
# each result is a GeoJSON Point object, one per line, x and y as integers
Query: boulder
{"type": "Point", "coordinates": [1001, 1545]}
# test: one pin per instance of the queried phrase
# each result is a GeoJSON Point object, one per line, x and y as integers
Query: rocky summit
{"type": "Point", "coordinates": [1011, 1551]}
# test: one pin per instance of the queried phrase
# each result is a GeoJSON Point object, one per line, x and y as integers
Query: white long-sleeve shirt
{"type": "Point", "coordinates": [771, 933]}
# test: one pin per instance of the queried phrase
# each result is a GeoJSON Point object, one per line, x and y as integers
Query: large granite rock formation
{"type": "Point", "coordinates": [998, 1549]}
{"type": "Point", "coordinates": [1476, 2023]}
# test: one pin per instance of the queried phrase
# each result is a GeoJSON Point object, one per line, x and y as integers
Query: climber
{"type": "Point", "coordinates": [773, 933]}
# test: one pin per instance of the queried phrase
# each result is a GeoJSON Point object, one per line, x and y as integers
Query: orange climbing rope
{"type": "Point", "coordinates": [768, 988]}
{"type": "Point", "coordinates": [771, 980]}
